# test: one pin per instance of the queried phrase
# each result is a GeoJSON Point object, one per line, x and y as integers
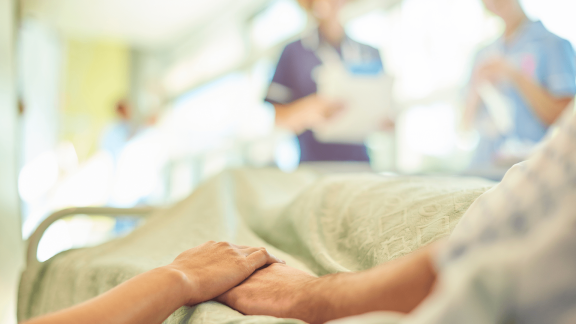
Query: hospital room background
{"type": "Point", "coordinates": [126, 103]}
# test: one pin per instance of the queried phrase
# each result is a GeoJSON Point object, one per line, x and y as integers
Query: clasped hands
{"type": "Point", "coordinates": [248, 279]}
{"type": "Point", "coordinates": [254, 282]}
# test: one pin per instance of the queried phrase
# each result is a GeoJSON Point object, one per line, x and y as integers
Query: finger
{"type": "Point", "coordinates": [261, 258]}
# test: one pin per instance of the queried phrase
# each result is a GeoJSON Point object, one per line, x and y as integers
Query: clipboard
{"type": "Point", "coordinates": [367, 100]}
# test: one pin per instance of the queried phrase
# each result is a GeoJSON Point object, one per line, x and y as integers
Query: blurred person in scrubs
{"type": "Point", "coordinates": [118, 133]}
{"type": "Point", "coordinates": [293, 88]}
{"type": "Point", "coordinates": [532, 70]}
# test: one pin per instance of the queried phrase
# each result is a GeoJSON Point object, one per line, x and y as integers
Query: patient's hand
{"type": "Point", "coordinates": [212, 268]}
{"type": "Point", "coordinates": [275, 290]}
{"type": "Point", "coordinates": [281, 291]}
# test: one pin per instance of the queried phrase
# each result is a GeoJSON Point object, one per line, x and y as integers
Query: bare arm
{"type": "Point", "coordinates": [545, 105]}
{"type": "Point", "coordinates": [281, 291]}
{"type": "Point", "coordinates": [195, 276]}
{"type": "Point", "coordinates": [148, 298]}
{"type": "Point", "coordinates": [305, 113]}
{"type": "Point", "coordinates": [285, 118]}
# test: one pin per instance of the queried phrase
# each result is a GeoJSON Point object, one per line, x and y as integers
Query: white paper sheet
{"type": "Point", "coordinates": [367, 101]}
{"type": "Point", "coordinates": [499, 107]}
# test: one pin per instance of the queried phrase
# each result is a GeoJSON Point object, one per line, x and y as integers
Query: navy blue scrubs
{"type": "Point", "coordinates": [293, 80]}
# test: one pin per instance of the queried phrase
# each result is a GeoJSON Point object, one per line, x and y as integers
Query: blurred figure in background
{"type": "Point", "coordinates": [520, 84]}
{"type": "Point", "coordinates": [117, 134]}
{"type": "Point", "coordinates": [293, 88]}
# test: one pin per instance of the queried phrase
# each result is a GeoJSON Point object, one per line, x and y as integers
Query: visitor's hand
{"type": "Point", "coordinates": [308, 112]}
{"type": "Point", "coordinates": [213, 268]}
{"type": "Point", "coordinates": [277, 290]}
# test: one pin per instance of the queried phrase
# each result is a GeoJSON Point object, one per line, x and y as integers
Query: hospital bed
{"type": "Point", "coordinates": [316, 222]}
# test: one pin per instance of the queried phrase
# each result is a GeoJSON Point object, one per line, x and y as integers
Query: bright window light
{"type": "Point", "coordinates": [202, 118]}
{"type": "Point", "coordinates": [139, 169]}
{"type": "Point", "coordinates": [559, 16]}
{"type": "Point", "coordinates": [287, 152]}
{"type": "Point", "coordinates": [89, 185]}
{"type": "Point", "coordinates": [431, 129]}
{"type": "Point", "coordinates": [229, 108]}
{"type": "Point", "coordinates": [369, 29]}
{"type": "Point", "coordinates": [38, 177]}
{"type": "Point", "coordinates": [283, 19]}
{"type": "Point", "coordinates": [75, 232]}
{"type": "Point", "coordinates": [221, 54]}
{"type": "Point", "coordinates": [55, 240]}
{"type": "Point", "coordinates": [67, 157]}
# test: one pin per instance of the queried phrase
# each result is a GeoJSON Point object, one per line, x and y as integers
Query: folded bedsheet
{"type": "Point", "coordinates": [320, 224]}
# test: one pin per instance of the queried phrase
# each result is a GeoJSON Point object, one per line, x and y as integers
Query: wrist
{"type": "Point", "coordinates": [287, 116]}
{"type": "Point", "coordinates": [320, 299]}
{"type": "Point", "coordinates": [182, 286]}
{"type": "Point", "coordinates": [309, 302]}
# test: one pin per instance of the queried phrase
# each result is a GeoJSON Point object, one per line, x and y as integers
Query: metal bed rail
{"type": "Point", "coordinates": [34, 240]}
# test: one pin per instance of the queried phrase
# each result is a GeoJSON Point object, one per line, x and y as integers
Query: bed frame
{"type": "Point", "coordinates": [34, 239]}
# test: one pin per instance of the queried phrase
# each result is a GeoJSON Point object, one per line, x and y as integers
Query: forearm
{"type": "Point", "coordinates": [546, 106]}
{"type": "Point", "coordinates": [398, 286]}
{"type": "Point", "coordinates": [290, 117]}
{"type": "Point", "coordinates": [148, 298]}
{"type": "Point", "coordinates": [284, 117]}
